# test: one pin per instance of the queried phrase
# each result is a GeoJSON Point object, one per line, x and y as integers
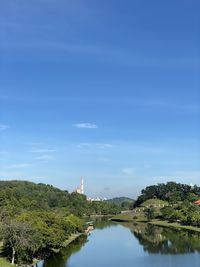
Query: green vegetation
{"type": "Point", "coordinates": [136, 215]}
{"type": "Point", "coordinates": [166, 240]}
{"type": "Point", "coordinates": [171, 192]}
{"type": "Point", "coordinates": [5, 263]}
{"type": "Point", "coordinates": [185, 212]}
{"type": "Point", "coordinates": [148, 210]}
{"type": "Point", "coordinates": [171, 203]}
{"type": "Point", "coordinates": [38, 219]}
{"type": "Point", "coordinates": [157, 203]}
{"type": "Point", "coordinates": [123, 217]}
{"type": "Point", "coordinates": [124, 202]}
{"type": "Point", "coordinates": [175, 225]}
{"type": "Point", "coordinates": [17, 196]}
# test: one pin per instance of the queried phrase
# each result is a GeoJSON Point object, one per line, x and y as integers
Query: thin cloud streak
{"type": "Point", "coordinates": [19, 166]}
{"type": "Point", "coordinates": [95, 145]}
{"type": "Point", "coordinates": [45, 157]}
{"type": "Point", "coordinates": [128, 171]}
{"type": "Point", "coordinates": [86, 125]}
{"type": "Point", "coordinates": [42, 151]}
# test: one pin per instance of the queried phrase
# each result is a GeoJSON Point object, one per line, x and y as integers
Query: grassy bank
{"type": "Point", "coordinates": [71, 239]}
{"type": "Point", "coordinates": [5, 263]}
{"type": "Point", "coordinates": [130, 217]}
{"type": "Point", "coordinates": [136, 216]}
{"type": "Point", "coordinates": [125, 217]}
{"type": "Point", "coordinates": [68, 241]}
{"type": "Point", "coordinates": [175, 225]}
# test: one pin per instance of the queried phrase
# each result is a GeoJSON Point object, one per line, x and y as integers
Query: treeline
{"type": "Point", "coordinates": [37, 219]}
{"type": "Point", "coordinates": [180, 197]}
{"type": "Point", "coordinates": [171, 192]}
{"type": "Point", "coordinates": [16, 196]}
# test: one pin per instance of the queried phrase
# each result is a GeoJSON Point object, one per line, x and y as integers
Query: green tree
{"type": "Point", "coordinates": [20, 239]}
{"type": "Point", "coordinates": [150, 213]}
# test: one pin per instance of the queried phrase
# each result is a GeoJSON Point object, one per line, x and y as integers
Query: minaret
{"type": "Point", "coordinates": [82, 186]}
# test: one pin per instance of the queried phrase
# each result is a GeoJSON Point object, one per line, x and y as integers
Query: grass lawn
{"type": "Point", "coordinates": [131, 216]}
{"type": "Point", "coordinates": [123, 217]}
{"type": "Point", "coordinates": [5, 263]}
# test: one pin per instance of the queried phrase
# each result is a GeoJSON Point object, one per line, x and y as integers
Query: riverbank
{"type": "Point", "coordinates": [175, 225]}
{"type": "Point", "coordinates": [5, 263]}
{"type": "Point", "coordinates": [68, 241]}
{"type": "Point", "coordinates": [128, 217]}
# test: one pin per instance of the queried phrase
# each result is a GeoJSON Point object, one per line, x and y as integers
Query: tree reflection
{"type": "Point", "coordinates": [62, 258]}
{"type": "Point", "coordinates": [103, 222]}
{"type": "Point", "coordinates": [165, 240]}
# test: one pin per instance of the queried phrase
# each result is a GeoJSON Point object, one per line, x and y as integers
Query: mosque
{"type": "Point", "coordinates": [80, 189]}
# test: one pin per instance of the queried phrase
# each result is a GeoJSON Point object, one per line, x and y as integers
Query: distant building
{"type": "Point", "coordinates": [80, 189]}
{"type": "Point", "coordinates": [96, 199]}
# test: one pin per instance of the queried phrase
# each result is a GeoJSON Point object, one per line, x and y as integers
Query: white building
{"type": "Point", "coordinates": [80, 189]}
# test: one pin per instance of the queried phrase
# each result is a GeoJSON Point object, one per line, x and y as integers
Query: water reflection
{"type": "Point", "coordinates": [102, 222]}
{"type": "Point", "coordinates": [129, 244]}
{"type": "Point", "coordinates": [62, 259]}
{"type": "Point", "coordinates": [165, 240]}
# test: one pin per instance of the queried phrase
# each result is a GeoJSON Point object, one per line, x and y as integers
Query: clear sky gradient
{"type": "Point", "coordinates": [108, 89]}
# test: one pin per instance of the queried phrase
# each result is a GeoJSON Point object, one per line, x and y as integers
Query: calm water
{"type": "Point", "coordinates": [128, 245]}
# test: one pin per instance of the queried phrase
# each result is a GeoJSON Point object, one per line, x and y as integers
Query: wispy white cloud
{"type": "Point", "coordinates": [128, 171]}
{"type": "Point", "coordinates": [43, 154]}
{"type": "Point", "coordinates": [19, 166]}
{"type": "Point", "coordinates": [35, 144]}
{"type": "Point", "coordinates": [46, 157]}
{"type": "Point", "coordinates": [94, 145]}
{"type": "Point", "coordinates": [3, 127]}
{"type": "Point", "coordinates": [86, 125]}
{"type": "Point", "coordinates": [42, 151]}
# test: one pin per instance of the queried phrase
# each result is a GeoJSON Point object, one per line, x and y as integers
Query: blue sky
{"type": "Point", "coordinates": [109, 90]}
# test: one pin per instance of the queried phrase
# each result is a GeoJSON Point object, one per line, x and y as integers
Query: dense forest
{"type": "Point", "coordinates": [37, 219]}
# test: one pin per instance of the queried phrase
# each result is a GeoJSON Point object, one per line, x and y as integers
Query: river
{"type": "Point", "coordinates": [130, 245]}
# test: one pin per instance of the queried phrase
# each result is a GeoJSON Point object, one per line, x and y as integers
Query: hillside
{"type": "Point", "coordinates": [40, 219]}
{"type": "Point", "coordinates": [120, 200]}
{"type": "Point", "coordinates": [154, 202]}
{"type": "Point", "coordinates": [17, 196]}
{"type": "Point", "coordinates": [171, 202]}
